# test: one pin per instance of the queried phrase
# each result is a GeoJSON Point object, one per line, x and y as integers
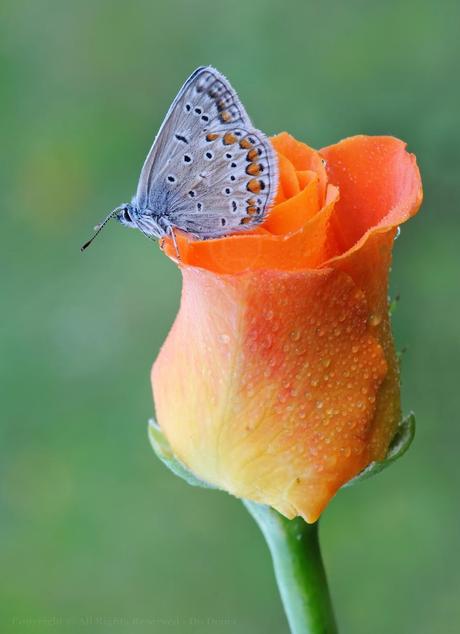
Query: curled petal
{"type": "Point", "coordinates": [303, 248]}
{"type": "Point", "coordinates": [380, 188]}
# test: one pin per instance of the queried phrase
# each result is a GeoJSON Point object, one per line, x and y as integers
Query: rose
{"type": "Point", "coordinates": [279, 381]}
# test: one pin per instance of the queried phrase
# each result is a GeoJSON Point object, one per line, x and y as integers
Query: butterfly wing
{"type": "Point", "coordinates": [209, 172]}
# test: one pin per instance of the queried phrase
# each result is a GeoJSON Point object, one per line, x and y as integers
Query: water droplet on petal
{"type": "Point", "coordinates": [375, 319]}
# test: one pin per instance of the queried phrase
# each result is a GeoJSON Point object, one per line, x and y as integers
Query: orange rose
{"type": "Point", "coordinates": [279, 381]}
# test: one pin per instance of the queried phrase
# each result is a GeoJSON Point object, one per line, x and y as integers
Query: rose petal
{"type": "Point", "coordinates": [288, 184]}
{"type": "Point", "coordinates": [380, 188]}
{"type": "Point", "coordinates": [369, 268]}
{"type": "Point", "coordinates": [302, 158]}
{"type": "Point", "coordinates": [379, 185]}
{"type": "Point", "coordinates": [293, 213]}
{"type": "Point", "coordinates": [266, 384]}
{"type": "Point", "coordinates": [304, 248]}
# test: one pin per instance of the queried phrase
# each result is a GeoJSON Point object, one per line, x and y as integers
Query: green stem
{"type": "Point", "coordinates": [299, 570]}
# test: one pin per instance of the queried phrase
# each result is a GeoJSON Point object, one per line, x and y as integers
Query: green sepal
{"type": "Point", "coordinates": [401, 442]}
{"type": "Point", "coordinates": [393, 305]}
{"type": "Point", "coordinates": [164, 452]}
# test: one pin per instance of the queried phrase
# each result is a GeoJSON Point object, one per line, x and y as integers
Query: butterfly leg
{"type": "Point", "coordinates": [170, 230]}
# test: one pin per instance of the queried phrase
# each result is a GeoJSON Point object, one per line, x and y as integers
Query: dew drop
{"type": "Point", "coordinates": [268, 342]}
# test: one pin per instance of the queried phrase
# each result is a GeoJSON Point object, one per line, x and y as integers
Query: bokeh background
{"type": "Point", "coordinates": [95, 534]}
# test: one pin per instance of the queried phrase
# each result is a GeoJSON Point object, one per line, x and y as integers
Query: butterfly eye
{"type": "Point", "coordinates": [126, 215]}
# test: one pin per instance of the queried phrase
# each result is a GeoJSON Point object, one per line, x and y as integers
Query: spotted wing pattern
{"type": "Point", "coordinates": [209, 172]}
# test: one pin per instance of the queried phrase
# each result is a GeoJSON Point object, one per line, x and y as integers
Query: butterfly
{"type": "Point", "coordinates": [209, 172]}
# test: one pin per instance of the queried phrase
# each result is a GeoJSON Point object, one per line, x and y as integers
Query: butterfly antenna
{"type": "Point", "coordinates": [100, 226]}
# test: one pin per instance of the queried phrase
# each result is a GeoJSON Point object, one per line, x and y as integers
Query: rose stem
{"type": "Point", "coordinates": [299, 570]}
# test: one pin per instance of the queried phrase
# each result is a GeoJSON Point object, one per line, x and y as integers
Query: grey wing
{"type": "Point", "coordinates": [209, 171]}
{"type": "Point", "coordinates": [182, 115]}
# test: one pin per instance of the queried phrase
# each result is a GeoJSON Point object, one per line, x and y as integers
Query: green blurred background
{"type": "Point", "coordinates": [95, 533]}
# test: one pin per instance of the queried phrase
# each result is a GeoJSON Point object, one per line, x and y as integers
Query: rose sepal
{"type": "Point", "coordinates": [400, 443]}
{"type": "Point", "coordinates": [164, 452]}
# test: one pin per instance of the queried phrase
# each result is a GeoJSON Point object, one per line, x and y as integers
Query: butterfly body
{"type": "Point", "coordinates": [130, 215]}
{"type": "Point", "coordinates": [209, 172]}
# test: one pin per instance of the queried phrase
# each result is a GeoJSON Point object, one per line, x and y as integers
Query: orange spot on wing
{"type": "Point", "coordinates": [245, 144]}
{"type": "Point", "coordinates": [254, 186]}
{"type": "Point", "coordinates": [254, 169]}
{"type": "Point", "coordinates": [253, 154]}
{"type": "Point", "coordinates": [229, 138]}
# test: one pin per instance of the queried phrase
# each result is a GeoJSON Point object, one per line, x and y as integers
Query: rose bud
{"type": "Point", "coordinates": [278, 381]}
